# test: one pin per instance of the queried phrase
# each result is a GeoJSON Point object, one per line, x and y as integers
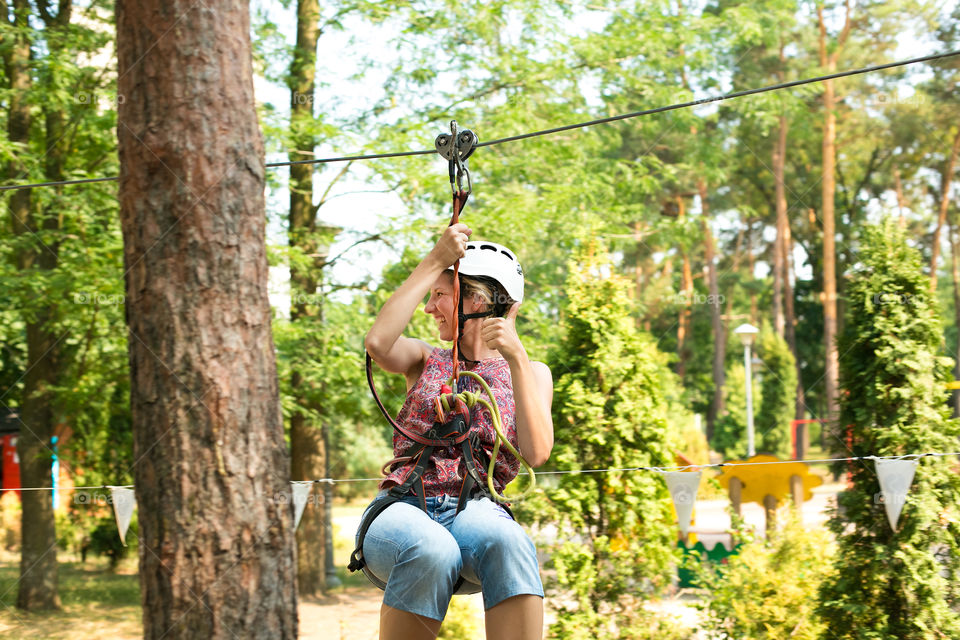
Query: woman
{"type": "Point", "coordinates": [420, 554]}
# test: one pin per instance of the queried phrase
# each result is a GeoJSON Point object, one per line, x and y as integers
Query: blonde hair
{"type": "Point", "coordinates": [488, 290]}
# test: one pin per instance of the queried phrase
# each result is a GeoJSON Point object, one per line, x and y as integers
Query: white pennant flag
{"type": "Point", "coordinates": [301, 491]}
{"type": "Point", "coordinates": [895, 476]}
{"type": "Point", "coordinates": [123, 502]}
{"type": "Point", "coordinates": [683, 489]}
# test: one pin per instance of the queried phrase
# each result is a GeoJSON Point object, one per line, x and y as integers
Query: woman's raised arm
{"type": "Point", "coordinates": [385, 342]}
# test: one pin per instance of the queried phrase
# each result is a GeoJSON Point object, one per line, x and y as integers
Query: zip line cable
{"type": "Point", "coordinates": [544, 132]}
{"type": "Point", "coordinates": [576, 471]}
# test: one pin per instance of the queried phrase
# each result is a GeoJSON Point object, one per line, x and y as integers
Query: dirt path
{"type": "Point", "coordinates": [353, 614]}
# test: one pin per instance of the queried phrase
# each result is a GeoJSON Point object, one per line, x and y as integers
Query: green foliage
{"type": "Point", "coordinates": [769, 590]}
{"type": "Point", "coordinates": [461, 622]}
{"type": "Point", "coordinates": [778, 395]}
{"type": "Point", "coordinates": [616, 539]}
{"type": "Point", "coordinates": [901, 584]}
{"type": "Point", "coordinates": [67, 272]}
{"type": "Point", "coordinates": [104, 540]}
{"type": "Point", "coordinates": [730, 431]}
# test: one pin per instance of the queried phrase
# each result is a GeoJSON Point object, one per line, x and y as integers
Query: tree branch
{"type": "Point", "coordinates": [326, 192]}
{"type": "Point", "coordinates": [375, 236]}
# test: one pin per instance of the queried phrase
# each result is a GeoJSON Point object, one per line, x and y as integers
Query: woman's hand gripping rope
{"type": "Point", "coordinates": [471, 399]}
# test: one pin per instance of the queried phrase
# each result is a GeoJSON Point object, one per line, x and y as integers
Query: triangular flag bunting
{"type": "Point", "coordinates": [123, 502]}
{"type": "Point", "coordinates": [683, 489]}
{"type": "Point", "coordinates": [301, 491]}
{"type": "Point", "coordinates": [896, 476]}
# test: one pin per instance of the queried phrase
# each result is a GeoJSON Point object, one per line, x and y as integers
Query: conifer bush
{"type": "Point", "coordinates": [614, 395]}
{"type": "Point", "coordinates": [902, 584]}
{"type": "Point", "coordinates": [778, 381]}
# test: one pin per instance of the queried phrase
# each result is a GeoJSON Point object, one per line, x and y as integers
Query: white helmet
{"type": "Point", "coordinates": [494, 261]}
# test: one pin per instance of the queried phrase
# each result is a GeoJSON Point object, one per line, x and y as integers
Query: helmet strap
{"type": "Point", "coordinates": [461, 320]}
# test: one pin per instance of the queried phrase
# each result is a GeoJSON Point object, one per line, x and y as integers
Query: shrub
{"type": "Point", "coordinates": [769, 590]}
{"type": "Point", "coordinates": [902, 583]}
{"type": "Point", "coordinates": [105, 540]}
{"type": "Point", "coordinates": [611, 408]}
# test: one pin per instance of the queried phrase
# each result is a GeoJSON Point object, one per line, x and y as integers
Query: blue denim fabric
{"type": "Point", "coordinates": [421, 554]}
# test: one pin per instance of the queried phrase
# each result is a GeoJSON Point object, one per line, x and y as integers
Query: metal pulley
{"type": "Point", "coordinates": [456, 147]}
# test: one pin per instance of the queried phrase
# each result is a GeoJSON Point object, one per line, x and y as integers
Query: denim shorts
{"type": "Point", "coordinates": [420, 555]}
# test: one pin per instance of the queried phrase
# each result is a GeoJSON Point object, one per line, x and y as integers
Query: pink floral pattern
{"type": "Point", "coordinates": [446, 469]}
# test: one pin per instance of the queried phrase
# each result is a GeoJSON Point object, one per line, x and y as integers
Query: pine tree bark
{"type": "Point", "coordinates": [785, 242]}
{"type": "Point", "coordinates": [946, 179]}
{"type": "Point", "coordinates": [308, 454]}
{"type": "Point", "coordinates": [716, 320]}
{"type": "Point", "coordinates": [685, 320]}
{"type": "Point", "coordinates": [828, 190]}
{"type": "Point", "coordinates": [779, 245]}
{"type": "Point", "coordinates": [791, 326]}
{"type": "Point", "coordinates": [751, 270]}
{"type": "Point", "coordinates": [211, 470]}
{"type": "Point", "coordinates": [954, 236]}
{"type": "Point", "coordinates": [37, 586]}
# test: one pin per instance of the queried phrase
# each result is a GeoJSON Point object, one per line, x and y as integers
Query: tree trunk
{"type": "Point", "coordinates": [211, 470]}
{"type": "Point", "coordinates": [831, 368]}
{"type": "Point", "coordinates": [785, 242]}
{"type": "Point", "coordinates": [828, 190]}
{"type": "Point", "coordinates": [716, 321]}
{"type": "Point", "coordinates": [308, 454]}
{"type": "Point", "coordinates": [779, 244]}
{"type": "Point", "coordinates": [684, 322]}
{"type": "Point", "coordinates": [945, 182]}
{"type": "Point", "coordinates": [901, 200]}
{"type": "Point", "coordinates": [955, 264]}
{"type": "Point", "coordinates": [751, 270]}
{"type": "Point", "coordinates": [639, 276]}
{"type": "Point", "coordinates": [791, 326]}
{"type": "Point", "coordinates": [37, 586]}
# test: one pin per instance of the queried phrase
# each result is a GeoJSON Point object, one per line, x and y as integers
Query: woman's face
{"type": "Point", "coordinates": [440, 305]}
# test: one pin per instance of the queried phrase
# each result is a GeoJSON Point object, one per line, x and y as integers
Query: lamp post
{"type": "Point", "coordinates": [747, 333]}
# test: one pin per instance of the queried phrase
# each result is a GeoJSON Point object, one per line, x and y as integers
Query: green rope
{"type": "Point", "coordinates": [472, 399]}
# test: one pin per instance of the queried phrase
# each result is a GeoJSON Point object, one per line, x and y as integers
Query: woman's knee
{"type": "Point", "coordinates": [404, 538]}
{"type": "Point", "coordinates": [490, 534]}
{"type": "Point", "coordinates": [433, 554]}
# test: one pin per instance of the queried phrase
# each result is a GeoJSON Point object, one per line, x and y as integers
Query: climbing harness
{"type": "Point", "coordinates": [452, 425]}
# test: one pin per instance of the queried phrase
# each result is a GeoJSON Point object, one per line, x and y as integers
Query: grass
{"type": "Point", "coordinates": [95, 603]}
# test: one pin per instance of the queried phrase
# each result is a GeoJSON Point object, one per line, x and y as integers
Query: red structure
{"type": "Point", "coordinates": [9, 462]}
{"type": "Point", "coordinates": [800, 438]}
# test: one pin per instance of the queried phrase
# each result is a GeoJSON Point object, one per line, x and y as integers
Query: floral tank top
{"type": "Point", "coordinates": [445, 471]}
